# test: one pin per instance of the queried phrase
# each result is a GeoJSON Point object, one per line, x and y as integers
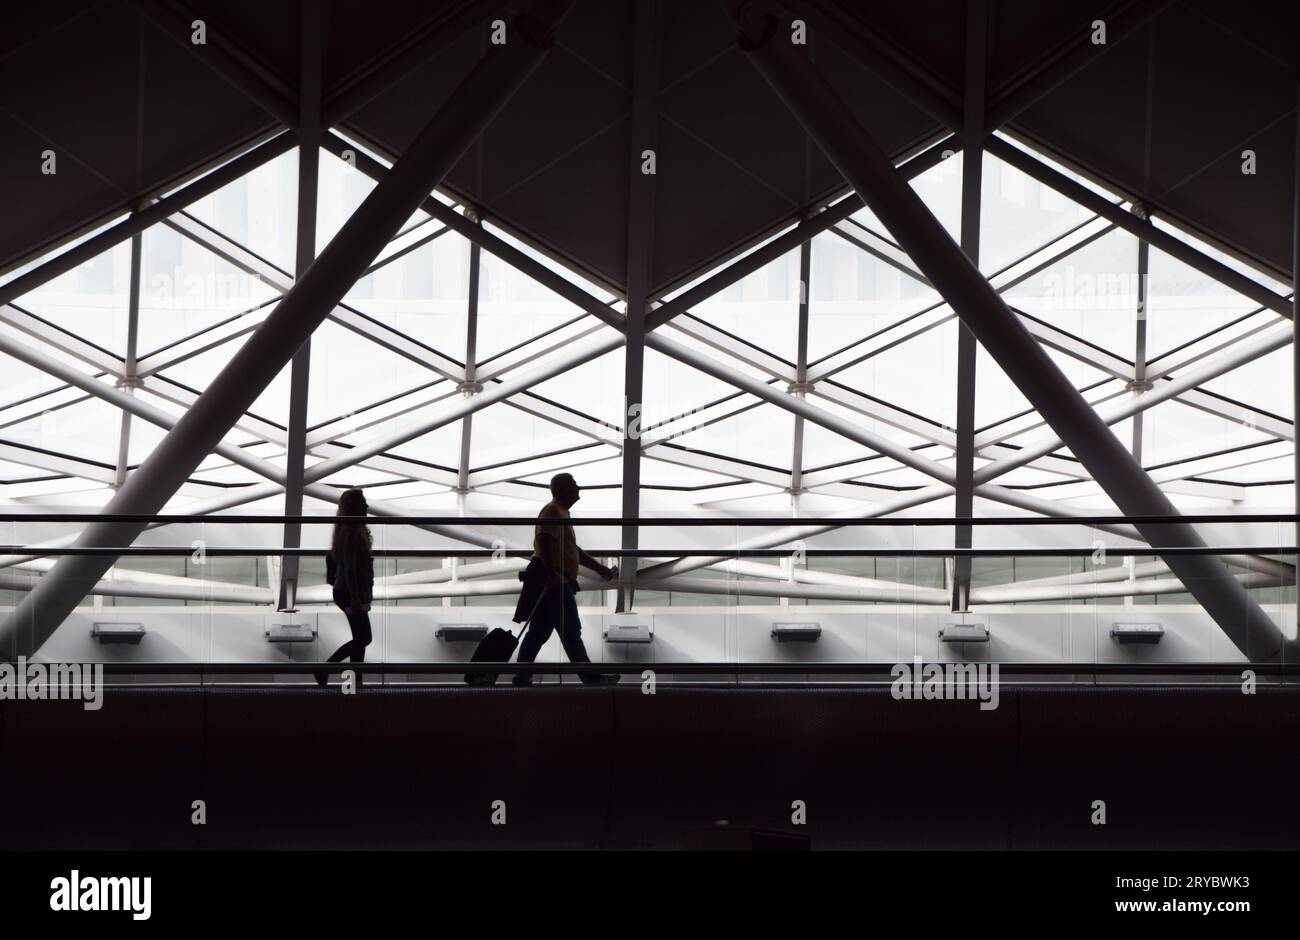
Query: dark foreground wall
{"type": "Point", "coordinates": [591, 768]}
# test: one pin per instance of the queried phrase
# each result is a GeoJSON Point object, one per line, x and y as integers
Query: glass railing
{"type": "Point", "coordinates": [216, 598]}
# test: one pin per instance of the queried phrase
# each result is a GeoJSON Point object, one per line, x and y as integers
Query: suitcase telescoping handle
{"type": "Point", "coordinates": [532, 613]}
{"type": "Point", "coordinates": [538, 603]}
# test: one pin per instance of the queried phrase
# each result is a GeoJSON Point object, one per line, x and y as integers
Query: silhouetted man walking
{"type": "Point", "coordinates": [554, 570]}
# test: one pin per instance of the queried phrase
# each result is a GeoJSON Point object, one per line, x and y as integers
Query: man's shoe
{"type": "Point", "coordinates": [522, 679]}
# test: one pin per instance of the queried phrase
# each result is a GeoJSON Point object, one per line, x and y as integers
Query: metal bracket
{"type": "Point", "coordinates": [460, 632]}
{"type": "Point", "coordinates": [291, 633]}
{"type": "Point", "coordinates": [964, 633]}
{"type": "Point", "coordinates": [1145, 633]}
{"type": "Point", "coordinates": [131, 633]}
{"type": "Point", "coordinates": [796, 632]}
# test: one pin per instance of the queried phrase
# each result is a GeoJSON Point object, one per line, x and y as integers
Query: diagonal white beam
{"type": "Point", "coordinates": [1015, 594]}
{"type": "Point", "coordinates": [536, 347]}
{"type": "Point", "coordinates": [731, 405]}
{"type": "Point", "coordinates": [1062, 341]}
{"type": "Point", "coordinates": [125, 586]}
{"type": "Point", "coordinates": [140, 408]}
{"type": "Point", "coordinates": [881, 341]}
{"type": "Point", "coordinates": [69, 344]}
{"type": "Point", "coordinates": [165, 390]}
{"type": "Point", "coordinates": [567, 418]}
{"type": "Point", "coordinates": [885, 413]}
{"type": "Point", "coordinates": [709, 335]}
{"type": "Point", "coordinates": [537, 466]}
{"type": "Point", "coordinates": [137, 222]}
{"type": "Point", "coordinates": [172, 355]}
{"type": "Point", "coordinates": [57, 463]}
{"type": "Point", "coordinates": [43, 403]}
{"type": "Point", "coordinates": [885, 593]}
{"type": "Point", "coordinates": [1144, 229]}
{"type": "Point", "coordinates": [373, 330]}
{"type": "Point", "coordinates": [1162, 391]}
{"type": "Point", "coordinates": [442, 142]}
{"type": "Point", "coordinates": [338, 430]}
{"type": "Point", "coordinates": [457, 409]}
{"type": "Point", "coordinates": [716, 463]}
{"type": "Point", "coordinates": [939, 313]}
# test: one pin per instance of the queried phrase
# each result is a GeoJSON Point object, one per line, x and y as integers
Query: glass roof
{"type": "Point", "coordinates": [880, 350]}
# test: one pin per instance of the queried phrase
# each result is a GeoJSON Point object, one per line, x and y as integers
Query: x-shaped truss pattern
{"type": "Point", "coordinates": [912, 464]}
{"type": "Point", "coordinates": [452, 388]}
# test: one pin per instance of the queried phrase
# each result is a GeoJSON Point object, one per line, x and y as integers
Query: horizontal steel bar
{"type": "Point", "coordinates": [1013, 552]}
{"type": "Point", "coordinates": [883, 669]}
{"type": "Point", "coordinates": [676, 521]}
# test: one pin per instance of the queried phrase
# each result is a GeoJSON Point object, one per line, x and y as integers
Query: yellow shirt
{"type": "Point", "coordinates": [568, 542]}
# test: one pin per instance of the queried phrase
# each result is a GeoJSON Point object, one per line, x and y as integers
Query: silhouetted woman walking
{"type": "Point", "coordinates": [350, 568]}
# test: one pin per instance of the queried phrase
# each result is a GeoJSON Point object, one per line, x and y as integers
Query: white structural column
{"type": "Point", "coordinates": [1295, 343]}
{"type": "Point", "coordinates": [312, 40]}
{"type": "Point", "coordinates": [972, 177]}
{"type": "Point", "coordinates": [642, 166]}
{"type": "Point", "coordinates": [1140, 383]}
{"type": "Point", "coordinates": [471, 385]}
{"type": "Point", "coordinates": [800, 385]}
{"type": "Point", "coordinates": [130, 366]}
{"type": "Point", "coordinates": [130, 379]}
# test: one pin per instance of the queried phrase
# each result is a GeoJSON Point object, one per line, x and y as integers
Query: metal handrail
{"type": "Point", "coordinates": [652, 521]}
{"type": "Point", "coordinates": [433, 552]}
{"type": "Point", "coordinates": [883, 669]}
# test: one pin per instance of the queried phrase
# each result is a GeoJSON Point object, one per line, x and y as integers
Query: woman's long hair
{"type": "Point", "coordinates": [350, 538]}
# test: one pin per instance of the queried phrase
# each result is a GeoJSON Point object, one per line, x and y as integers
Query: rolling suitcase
{"type": "Point", "coordinates": [497, 647]}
